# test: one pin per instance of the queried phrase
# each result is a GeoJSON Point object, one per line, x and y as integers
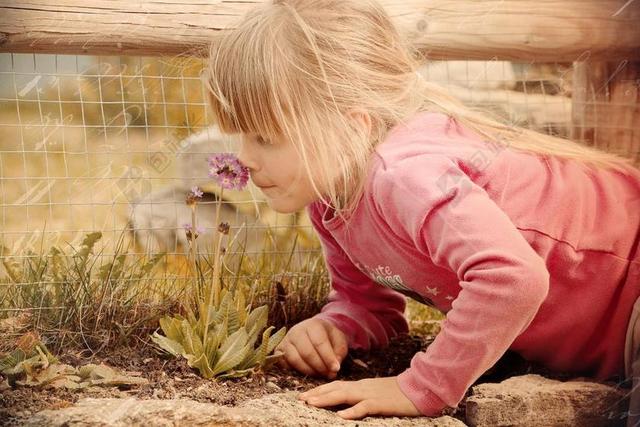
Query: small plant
{"type": "Point", "coordinates": [86, 297]}
{"type": "Point", "coordinates": [32, 365]}
{"type": "Point", "coordinates": [220, 337]}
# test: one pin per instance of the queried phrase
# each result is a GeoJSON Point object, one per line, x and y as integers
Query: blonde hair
{"type": "Point", "coordinates": [292, 69]}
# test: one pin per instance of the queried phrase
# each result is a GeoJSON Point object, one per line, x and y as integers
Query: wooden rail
{"type": "Point", "coordinates": [519, 30]}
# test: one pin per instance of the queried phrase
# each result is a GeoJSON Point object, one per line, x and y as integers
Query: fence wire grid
{"type": "Point", "coordinates": [112, 144]}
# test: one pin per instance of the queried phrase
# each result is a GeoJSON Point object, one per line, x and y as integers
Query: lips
{"type": "Point", "coordinates": [262, 187]}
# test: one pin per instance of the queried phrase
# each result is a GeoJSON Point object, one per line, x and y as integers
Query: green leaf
{"type": "Point", "coordinates": [236, 373]}
{"type": "Point", "coordinates": [253, 335]}
{"type": "Point", "coordinates": [57, 264]}
{"type": "Point", "coordinates": [221, 331]}
{"type": "Point", "coordinates": [68, 382]}
{"type": "Point", "coordinates": [258, 318]}
{"type": "Point", "coordinates": [42, 377]}
{"type": "Point", "coordinates": [233, 319]}
{"type": "Point", "coordinates": [171, 328]}
{"type": "Point", "coordinates": [222, 312]}
{"type": "Point", "coordinates": [241, 308]}
{"type": "Point", "coordinates": [85, 371]}
{"type": "Point", "coordinates": [261, 353]}
{"type": "Point", "coordinates": [211, 344]}
{"type": "Point", "coordinates": [275, 339]}
{"type": "Point", "coordinates": [202, 364]}
{"type": "Point", "coordinates": [244, 354]}
{"type": "Point", "coordinates": [266, 346]}
{"type": "Point", "coordinates": [105, 375]}
{"type": "Point", "coordinates": [12, 360]}
{"type": "Point", "coordinates": [168, 345]}
{"type": "Point", "coordinates": [271, 360]}
{"type": "Point", "coordinates": [188, 338]}
{"type": "Point", "coordinates": [232, 352]}
{"type": "Point", "coordinates": [113, 270]}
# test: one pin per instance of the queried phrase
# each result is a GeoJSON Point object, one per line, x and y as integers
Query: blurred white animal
{"type": "Point", "coordinates": [157, 218]}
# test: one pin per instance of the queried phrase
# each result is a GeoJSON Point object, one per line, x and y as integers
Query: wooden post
{"type": "Point", "coordinates": [606, 106]}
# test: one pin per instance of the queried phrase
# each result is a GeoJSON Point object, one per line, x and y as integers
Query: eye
{"type": "Point", "coordinates": [261, 140]}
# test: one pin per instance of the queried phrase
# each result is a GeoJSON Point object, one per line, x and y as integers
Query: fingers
{"type": "Point", "coordinates": [346, 392]}
{"type": "Point", "coordinates": [294, 359]}
{"type": "Point", "coordinates": [282, 362]}
{"type": "Point", "coordinates": [331, 398]}
{"type": "Point", "coordinates": [319, 339]}
{"type": "Point", "coordinates": [339, 343]}
{"type": "Point", "coordinates": [335, 393]}
{"type": "Point", "coordinates": [291, 358]}
{"type": "Point", "coordinates": [362, 409]}
{"type": "Point", "coordinates": [314, 346]}
{"type": "Point", "coordinates": [309, 353]}
{"type": "Point", "coordinates": [303, 357]}
{"type": "Point", "coordinates": [371, 396]}
{"type": "Point", "coordinates": [323, 388]}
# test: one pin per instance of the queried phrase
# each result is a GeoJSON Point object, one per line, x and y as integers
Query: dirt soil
{"type": "Point", "coordinates": [171, 378]}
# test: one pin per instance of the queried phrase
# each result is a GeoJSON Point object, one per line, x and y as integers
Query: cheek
{"type": "Point", "coordinates": [289, 175]}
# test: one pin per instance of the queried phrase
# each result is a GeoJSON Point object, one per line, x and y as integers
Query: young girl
{"type": "Point", "coordinates": [527, 242]}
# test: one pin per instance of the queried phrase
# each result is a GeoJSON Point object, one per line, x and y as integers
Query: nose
{"type": "Point", "coordinates": [245, 158]}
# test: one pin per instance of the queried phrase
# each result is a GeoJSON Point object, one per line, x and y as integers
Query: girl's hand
{"type": "Point", "coordinates": [381, 396]}
{"type": "Point", "coordinates": [313, 347]}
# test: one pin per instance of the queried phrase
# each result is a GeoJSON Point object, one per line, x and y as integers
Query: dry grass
{"type": "Point", "coordinates": [85, 299]}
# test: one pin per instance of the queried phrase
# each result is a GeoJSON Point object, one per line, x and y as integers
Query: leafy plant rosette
{"type": "Point", "coordinates": [221, 338]}
{"type": "Point", "coordinates": [32, 365]}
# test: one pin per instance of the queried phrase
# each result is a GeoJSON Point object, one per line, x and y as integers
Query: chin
{"type": "Point", "coordinates": [283, 207]}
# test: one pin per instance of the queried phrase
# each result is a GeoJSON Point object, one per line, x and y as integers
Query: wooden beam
{"type": "Point", "coordinates": [519, 30]}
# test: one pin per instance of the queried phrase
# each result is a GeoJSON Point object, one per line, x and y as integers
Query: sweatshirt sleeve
{"type": "Point", "coordinates": [432, 202]}
{"type": "Point", "coordinates": [368, 313]}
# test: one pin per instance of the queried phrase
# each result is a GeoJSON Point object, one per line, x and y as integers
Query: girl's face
{"type": "Point", "coordinates": [278, 170]}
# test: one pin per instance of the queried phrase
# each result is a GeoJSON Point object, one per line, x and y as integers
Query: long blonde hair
{"type": "Point", "coordinates": [292, 69]}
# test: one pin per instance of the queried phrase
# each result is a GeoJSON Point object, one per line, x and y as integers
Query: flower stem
{"type": "Point", "coordinates": [192, 240]}
{"type": "Point", "coordinates": [216, 272]}
{"type": "Point", "coordinates": [213, 295]}
{"type": "Point", "coordinates": [193, 247]}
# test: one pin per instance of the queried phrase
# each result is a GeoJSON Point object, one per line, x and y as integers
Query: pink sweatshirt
{"type": "Point", "coordinates": [522, 252]}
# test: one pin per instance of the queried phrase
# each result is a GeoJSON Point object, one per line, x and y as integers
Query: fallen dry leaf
{"type": "Point", "coordinates": [360, 363]}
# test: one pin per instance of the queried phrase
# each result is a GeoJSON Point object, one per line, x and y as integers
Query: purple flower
{"type": "Point", "coordinates": [224, 227]}
{"type": "Point", "coordinates": [188, 229]}
{"type": "Point", "coordinates": [227, 171]}
{"type": "Point", "coordinates": [194, 195]}
{"type": "Point", "coordinates": [197, 192]}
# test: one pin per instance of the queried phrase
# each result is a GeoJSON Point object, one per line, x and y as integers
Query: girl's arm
{"type": "Point", "coordinates": [369, 314]}
{"type": "Point", "coordinates": [429, 200]}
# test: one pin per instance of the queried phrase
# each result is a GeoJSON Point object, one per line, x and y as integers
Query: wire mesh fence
{"type": "Point", "coordinates": [113, 144]}
{"type": "Point", "coordinates": [87, 142]}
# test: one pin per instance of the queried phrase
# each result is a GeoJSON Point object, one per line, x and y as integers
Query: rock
{"type": "Point", "coordinates": [273, 386]}
{"type": "Point", "coordinates": [280, 409]}
{"type": "Point", "coordinates": [533, 400]}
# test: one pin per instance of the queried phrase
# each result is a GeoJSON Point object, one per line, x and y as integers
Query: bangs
{"type": "Point", "coordinates": [247, 82]}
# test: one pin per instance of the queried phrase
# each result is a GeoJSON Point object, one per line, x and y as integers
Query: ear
{"type": "Point", "coordinates": [361, 118]}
